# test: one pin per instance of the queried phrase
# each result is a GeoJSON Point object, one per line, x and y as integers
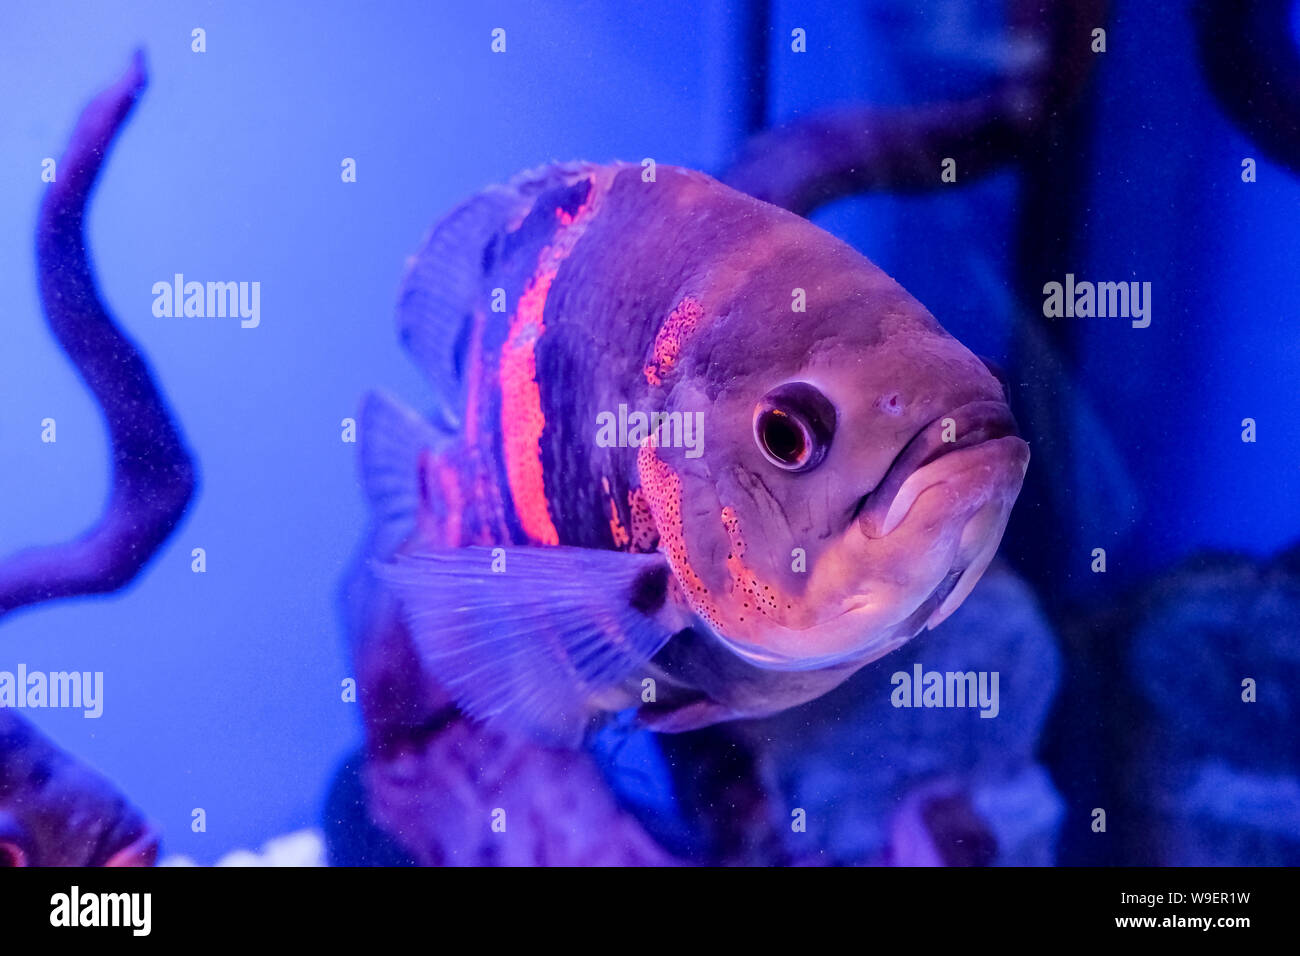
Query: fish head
{"type": "Point", "coordinates": [856, 471]}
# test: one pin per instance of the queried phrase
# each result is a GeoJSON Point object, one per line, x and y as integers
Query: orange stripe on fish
{"type": "Point", "coordinates": [522, 418]}
{"type": "Point", "coordinates": [671, 337]}
{"type": "Point", "coordinates": [616, 529]}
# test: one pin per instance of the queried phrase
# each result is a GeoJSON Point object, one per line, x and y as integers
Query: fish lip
{"type": "Point", "coordinates": [976, 423]}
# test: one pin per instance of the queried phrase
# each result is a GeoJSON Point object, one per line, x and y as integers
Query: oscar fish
{"type": "Point", "coordinates": [688, 453]}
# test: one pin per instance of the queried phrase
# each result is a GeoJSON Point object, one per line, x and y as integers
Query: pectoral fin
{"type": "Point", "coordinates": [535, 642]}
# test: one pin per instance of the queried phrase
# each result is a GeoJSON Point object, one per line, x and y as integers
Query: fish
{"type": "Point", "coordinates": [687, 454]}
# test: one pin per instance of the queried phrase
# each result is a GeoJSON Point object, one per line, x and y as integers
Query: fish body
{"type": "Point", "coordinates": [689, 453]}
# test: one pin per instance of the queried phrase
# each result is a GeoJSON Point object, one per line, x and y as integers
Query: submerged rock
{"type": "Point", "coordinates": [880, 783]}
{"type": "Point", "coordinates": [1213, 656]}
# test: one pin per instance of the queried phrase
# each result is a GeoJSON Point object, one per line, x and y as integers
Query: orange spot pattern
{"type": "Point", "coordinates": [754, 596]}
{"type": "Point", "coordinates": [663, 493]}
{"type": "Point", "coordinates": [670, 339]}
{"type": "Point", "coordinates": [645, 536]}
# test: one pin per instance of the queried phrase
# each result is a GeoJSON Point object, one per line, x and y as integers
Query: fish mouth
{"type": "Point", "coordinates": [960, 493]}
{"type": "Point", "coordinates": [913, 470]}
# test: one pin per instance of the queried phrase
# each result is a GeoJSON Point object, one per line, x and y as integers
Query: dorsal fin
{"type": "Point", "coordinates": [444, 280]}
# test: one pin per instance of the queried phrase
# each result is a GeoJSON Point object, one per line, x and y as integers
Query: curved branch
{"type": "Point", "coordinates": [1249, 55]}
{"type": "Point", "coordinates": [153, 475]}
{"type": "Point", "coordinates": [835, 153]}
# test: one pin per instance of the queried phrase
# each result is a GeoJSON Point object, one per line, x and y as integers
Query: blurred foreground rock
{"type": "Point", "coordinates": [881, 784]}
{"type": "Point", "coordinates": [1216, 777]}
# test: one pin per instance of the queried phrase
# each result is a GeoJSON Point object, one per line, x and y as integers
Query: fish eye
{"type": "Point", "coordinates": [793, 426]}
